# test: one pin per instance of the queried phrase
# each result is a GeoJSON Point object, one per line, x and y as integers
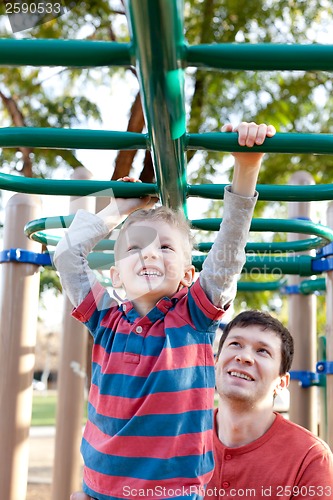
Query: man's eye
{"type": "Point", "coordinates": [234, 343]}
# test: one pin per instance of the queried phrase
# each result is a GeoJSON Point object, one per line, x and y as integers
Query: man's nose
{"type": "Point", "coordinates": [245, 356]}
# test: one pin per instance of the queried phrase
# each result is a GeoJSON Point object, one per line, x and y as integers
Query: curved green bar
{"type": "Point", "coordinates": [274, 225]}
{"type": "Point", "coordinates": [274, 247]}
{"type": "Point", "coordinates": [34, 230]}
{"type": "Point", "coordinates": [321, 192]}
{"type": "Point", "coordinates": [157, 34]}
{"type": "Point", "coordinates": [291, 142]}
{"type": "Point", "coordinates": [58, 138]}
{"type": "Point", "coordinates": [75, 188]}
{"type": "Point", "coordinates": [264, 57]}
{"type": "Point", "coordinates": [69, 53]}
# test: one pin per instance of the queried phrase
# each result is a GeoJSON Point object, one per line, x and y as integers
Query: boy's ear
{"type": "Point", "coordinates": [188, 277]}
{"type": "Point", "coordinates": [115, 277]}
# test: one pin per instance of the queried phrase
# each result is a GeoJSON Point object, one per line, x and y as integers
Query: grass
{"type": "Point", "coordinates": [44, 407]}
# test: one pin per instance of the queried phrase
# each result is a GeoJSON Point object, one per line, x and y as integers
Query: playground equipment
{"type": "Point", "coordinates": [160, 54]}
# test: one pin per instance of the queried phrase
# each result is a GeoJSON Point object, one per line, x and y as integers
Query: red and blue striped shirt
{"type": "Point", "coordinates": [150, 416]}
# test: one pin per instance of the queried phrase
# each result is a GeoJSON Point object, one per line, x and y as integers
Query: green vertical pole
{"type": "Point", "coordinates": [157, 46]}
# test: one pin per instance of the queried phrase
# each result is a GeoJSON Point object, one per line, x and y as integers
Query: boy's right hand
{"type": "Point", "coordinates": [129, 205]}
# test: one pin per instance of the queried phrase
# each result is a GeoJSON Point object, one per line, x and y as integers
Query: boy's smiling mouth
{"type": "Point", "coordinates": [150, 272]}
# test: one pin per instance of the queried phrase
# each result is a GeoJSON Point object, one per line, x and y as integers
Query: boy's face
{"type": "Point", "coordinates": [151, 262]}
{"type": "Point", "coordinates": [248, 367]}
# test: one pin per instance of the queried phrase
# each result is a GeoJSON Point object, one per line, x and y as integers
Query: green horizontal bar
{"type": "Point", "coordinates": [109, 139]}
{"type": "Point", "coordinates": [211, 191]}
{"type": "Point", "coordinates": [260, 286]}
{"type": "Point", "coordinates": [264, 57]}
{"type": "Point", "coordinates": [70, 53]}
{"type": "Point", "coordinates": [281, 143]}
{"type": "Point", "coordinates": [300, 265]}
{"type": "Point", "coordinates": [75, 188]}
{"type": "Point", "coordinates": [85, 53]}
{"type": "Point", "coordinates": [59, 138]}
{"type": "Point", "coordinates": [307, 287]}
{"type": "Point", "coordinates": [274, 225]}
{"type": "Point", "coordinates": [242, 286]}
{"type": "Point", "coordinates": [320, 192]}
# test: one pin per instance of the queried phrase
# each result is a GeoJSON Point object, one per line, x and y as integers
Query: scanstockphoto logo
{"type": "Point", "coordinates": [28, 14]}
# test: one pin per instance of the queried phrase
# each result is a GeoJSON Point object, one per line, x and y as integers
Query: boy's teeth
{"type": "Point", "coordinates": [240, 375]}
{"type": "Point", "coordinates": [150, 273]}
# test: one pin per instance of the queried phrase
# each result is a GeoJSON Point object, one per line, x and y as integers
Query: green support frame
{"type": "Point", "coordinates": [160, 54]}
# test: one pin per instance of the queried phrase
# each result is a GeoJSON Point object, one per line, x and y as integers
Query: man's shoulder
{"type": "Point", "coordinates": [294, 431]}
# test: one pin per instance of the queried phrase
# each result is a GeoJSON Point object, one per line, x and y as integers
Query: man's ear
{"type": "Point", "coordinates": [283, 383]}
{"type": "Point", "coordinates": [115, 277]}
{"type": "Point", "coordinates": [188, 277]}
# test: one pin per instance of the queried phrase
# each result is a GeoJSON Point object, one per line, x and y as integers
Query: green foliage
{"type": "Point", "coordinates": [49, 279]}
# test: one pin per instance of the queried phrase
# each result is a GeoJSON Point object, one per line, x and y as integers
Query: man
{"type": "Point", "coordinates": [257, 452]}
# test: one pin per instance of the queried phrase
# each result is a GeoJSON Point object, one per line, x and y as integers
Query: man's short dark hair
{"type": "Point", "coordinates": [266, 322]}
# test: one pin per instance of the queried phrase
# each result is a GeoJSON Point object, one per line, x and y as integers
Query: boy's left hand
{"type": "Point", "coordinates": [247, 164]}
{"type": "Point", "coordinates": [250, 134]}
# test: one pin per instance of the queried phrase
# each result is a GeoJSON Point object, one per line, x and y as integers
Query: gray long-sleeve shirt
{"type": "Point", "coordinates": [220, 270]}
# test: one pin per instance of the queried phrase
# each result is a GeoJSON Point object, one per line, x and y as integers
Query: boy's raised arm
{"type": "Point", "coordinates": [226, 258]}
{"type": "Point", "coordinates": [86, 230]}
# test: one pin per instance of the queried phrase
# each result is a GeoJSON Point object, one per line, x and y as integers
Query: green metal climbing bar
{"type": "Point", "coordinates": [261, 57]}
{"type": "Point", "coordinates": [58, 187]}
{"type": "Point", "coordinates": [110, 139]}
{"type": "Point", "coordinates": [58, 138]}
{"type": "Point", "coordinates": [68, 53]}
{"type": "Point", "coordinates": [235, 56]}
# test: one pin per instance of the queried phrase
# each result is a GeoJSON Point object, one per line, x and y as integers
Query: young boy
{"type": "Point", "coordinates": [150, 416]}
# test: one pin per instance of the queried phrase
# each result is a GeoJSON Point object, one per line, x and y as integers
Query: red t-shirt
{"type": "Point", "coordinates": [287, 462]}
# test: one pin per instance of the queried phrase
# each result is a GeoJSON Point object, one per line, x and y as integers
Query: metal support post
{"type": "Point", "coordinates": [302, 325]}
{"type": "Point", "coordinates": [19, 310]}
{"type": "Point", "coordinates": [71, 384]}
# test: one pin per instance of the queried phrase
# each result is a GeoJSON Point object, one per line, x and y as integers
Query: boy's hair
{"type": "Point", "coordinates": [164, 214]}
{"type": "Point", "coordinates": [266, 322]}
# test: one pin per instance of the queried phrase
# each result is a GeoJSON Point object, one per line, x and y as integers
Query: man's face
{"type": "Point", "coordinates": [151, 262]}
{"type": "Point", "coordinates": [247, 370]}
